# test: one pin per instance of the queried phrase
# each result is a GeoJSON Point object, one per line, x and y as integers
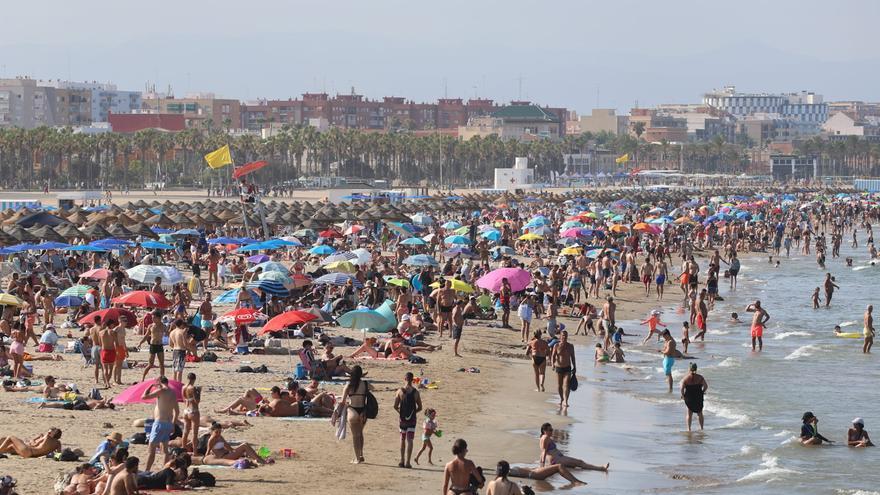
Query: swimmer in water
{"type": "Point", "coordinates": [816, 298]}
{"type": "Point", "coordinates": [837, 330]}
{"type": "Point", "coordinates": [734, 318]}
{"type": "Point", "coordinates": [849, 262]}
{"type": "Point", "coordinates": [777, 263]}
{"type": "Point", "coordinates": [601, 355]}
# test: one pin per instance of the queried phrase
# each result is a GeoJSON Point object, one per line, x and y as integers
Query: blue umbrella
{"type": "Point", "coordinates": [247, 240]}
{"type": "Point", "coordinates": [269, 266]}
{"type": "Point", "coordinates": [414, 241]}
{"type": "Point", "coordinates": [231, 296]}
{"type": "Point", "coordinates": [451, 225]}
{"type": "Point", "coordinates": [362, 319]}
{"type": "Point", "coordinates": [420, 260]}
{"type": "Point", "coordinates": [111, 243]}
{"type": "Point", "coordinates": [257, 246]}
{"type": "Point", "coordinates": [224, 240]}
{"type": "Point", "coordinates": [337, 279]}
{"type": "Point", "coordinates": [456, 239]}
{"type": "Point", "coordinates": [49, 245]}
{"type": "Point", "coordinates": [492, 235]}
{"type": "Point", "coordinates": [19, 248]}
{"type": "Point", "coordinates": [156, 245]}
{"type": "Point", "coordinates": [68, 301]}
{"type": "Point", "coordinates": [460, 251]}
{"type": "Point", "coordinates": [270, 287]}
{"type": "Point", "coordinates": [188, 232]}
{"type": "Point", "coordinates": [87, 248]}
{"type": "Point", "coordinates": [322, 250]}
{"type": "Point", "coordinates": [277, 243]}
{"type": "Point", "coordinates": [343, 256]}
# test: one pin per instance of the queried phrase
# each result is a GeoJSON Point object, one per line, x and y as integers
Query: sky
{"type": "Point", "coordinates": [577, 54]}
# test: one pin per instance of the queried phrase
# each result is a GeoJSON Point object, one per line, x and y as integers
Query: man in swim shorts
{"type": "Point", "coordinates": [758, 321]}
{"type": "Point", "coordinates": [108, 341]}
{"type": "Point", "coordinates": [563, 361]}
{"type": "Point", "coordinates": [668, 356]}
{"type": "Point", "coordinates": [165, 415]}
{"type": "Point", "coordinates": [868, 330]}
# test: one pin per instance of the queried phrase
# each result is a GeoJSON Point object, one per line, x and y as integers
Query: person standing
{"type": "Point", "coordinates": [563, 360]}
{"type": "Point", "coordinates": [121, 349]}
{"type": "Point", "coordinates": [192, 396]}
{"type": "Point", "coordinates": [165, 416]}
{"type": "Point", "coordinates": [759, 319]}
{"type": "Point", "coordinates": [354, 396]}
{"type": "Point", "coordinates": [668, 356]}
{"type": "Point", "coordinates": [537, 349]}
{"type": "Point", "coordinates": [829, 288]}
{"type": "Point", "coordinates": [155, 334]}
{"type": "Point", "coordinates": [181, 343]}
{"type": "Point", "coordinates": [868, 330]}
{"type": "Point", "coordinates": [693, 388]}
{"type": "Point", "coordinates": [408, 404]}
{"type": "Point", "coordinates": [107, 338]}
{"type": "Point", "coordinates": [457, 325]}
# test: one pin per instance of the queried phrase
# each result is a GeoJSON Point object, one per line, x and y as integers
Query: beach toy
{"type": "Point", "coordinates": [264, 452]}
{"type": "Point", "coordinates": [300, 371]}
{"type": "Point", "coordinates": [29, 368]}
{"type": "Point", "coordinates": [439, 433]}
{"type": "Point", "coordinates": [287, 453]}
{"type": "Point", "coordinates": [848, 335]}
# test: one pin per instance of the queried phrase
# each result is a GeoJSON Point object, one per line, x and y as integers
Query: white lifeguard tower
{"type": "Point", "coordinates": [518, 177]}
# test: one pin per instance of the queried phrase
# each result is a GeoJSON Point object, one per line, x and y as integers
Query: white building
{"type": "Point", "coordinates": [793, 167]}
{"type": "Point", "coordinates": [841, 124]}
{"type": "Point", "coordinates": [804, 107]}
{"type": "Point", "coordinates": [25, 104]}
{"type": "Point", "coordinates": [106, 98]}
{"type": "Point", "coordinates": [518, 177]}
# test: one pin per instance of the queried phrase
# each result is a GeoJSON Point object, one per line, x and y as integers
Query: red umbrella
{"type": "Point", "coordinates": [330, 233]}
{"type": "Point", "coordinates": [248, 168]}
{"type": "Point", "coordinates": [300, 280]}
{"type": "Point", "coordinates": [143, 298]}
{"type": "Point", "coordinates": [286, 319]}
{"type": "Point", "coordinates": [112, 314]}
{"type": "Point", "coordinates": [243, 316]}
{"type": "Point", "coordinates": [97, 274]}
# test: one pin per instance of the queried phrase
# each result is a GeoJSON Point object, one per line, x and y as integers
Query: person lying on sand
{"type": "Point", "coordinates": [247, 402]}
{"type": "Point", "coordinates": [79, 404]}
{"type": "Point", "coordinates": [38, 447]}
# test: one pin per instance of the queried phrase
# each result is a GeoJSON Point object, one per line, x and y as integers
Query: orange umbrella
{"type": "Point", "coordinates": [619, 229]}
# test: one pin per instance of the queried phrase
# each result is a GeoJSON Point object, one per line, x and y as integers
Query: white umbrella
{"type": "Point", "coordinates": [146, 274]}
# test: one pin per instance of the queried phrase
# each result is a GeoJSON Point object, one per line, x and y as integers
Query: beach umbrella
{"type": "Point", "coordinates": [322, 250]}
{"type": "Point", "coordinates": [362, 319]}
{"type": "Point", "coordinates": [87, 248]}
{"type": "Point", "coordinates": [291, 241]}
{"type": "Point", "coordinates": [248, 168]}
{"type": "Point", "coordinates": [413, 241]}
{"type": "Point", "coordinates": [143, 299]}
{"type": "Point", "coordinates": [187, 232]}
{"type": "Point", "coordinates": [258, 258]}
{"type": "Point", "coordinates": [287, 319]}
{"type": "Point", "coordinates": [420, 260]}
{"type": "Point", "coordinates": [457, 285]}
{"type": "Point", "coordinates": [341, 266]}
{"type": "Point", "coordinates": [492, 235]}
{"type": "Point", "coordinates": [77, 290]}
{"type": "Point", "coordinates": [518, 278]}
{"type": "Point", "coordinates": [463, 230]}
{"type": "Point", "coordinates": [110, 314]}
{"type": "Point", "coordinates": [270, 266]}
{"type": "Point", "coordinates": [571, 251]}
{"type": "Point", "coordinates": [341, 256]}
{"type": "Point", "coordinates": [460, 251]}
{"type": "Point", "coordinates": [456, 239]}
{"type": "Point", "coordinates": [330, 234]}
{"type": "Point", "coordinates": [9, 300]}
{"type": "Point", "coordinates": [146, 274]}
{"type": "Point", "coordinates": [354, 229]}
{"type": "Point", "coordinates": [231, 297]}
{"type": "Point", "coordinates": [224, 240]}
{"type": "Point", "coordinates": [44, 246]}
{"type": "Point", "coordinates": [156, 245]}
{"type": "Point", "coordinates": [397, 282]}
{"type": "Point", "coordinates": [68, 301]}
{"type": "Point", "coordinates": [571, 224]}
{"type": "Point", "coordinates": [133, 394]}
{"type": "Point", "coordinates": [362, 256]}
{"type": "Point", "coordinates": [280, 277]}
{"type": "Point", "coordinates": [422, 219]}
{"type": "Point", "coordinates": [337, 279]}
{"type": "Point", "coordinates": [270, 287]}
{"type": "Point", "coordinates": [530, 237]}
{"type": "Point", "coordinates": [619, 229]}
{"type": "Point", "coordinates": [96, 274]}
{"type": "Point", "coordinates": [242, 316]}
{"type": "Point", "coordinates": [451, 225]}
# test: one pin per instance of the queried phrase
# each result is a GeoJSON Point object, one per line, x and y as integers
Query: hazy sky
{"type": "Point", "coordinates": [563, 53]}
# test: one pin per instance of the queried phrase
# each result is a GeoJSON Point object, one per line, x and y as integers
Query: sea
{"type": "Point", "coordinates": [755, 400]}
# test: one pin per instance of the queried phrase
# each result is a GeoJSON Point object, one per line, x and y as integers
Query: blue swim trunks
{"type": "Point", "coordinates": [161, 432]}
{"type": "Point", "coordinates": [667, 364]}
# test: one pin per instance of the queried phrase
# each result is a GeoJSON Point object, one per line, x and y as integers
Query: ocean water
{"type": "Point", "coordinates": [755, 400]}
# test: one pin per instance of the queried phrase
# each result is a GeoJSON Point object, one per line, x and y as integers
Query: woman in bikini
{"type": "Point", "coordinates": [192, 395]}
{"type": "Point", "coordinates": [248, 402]}
{"type": "Point", "coordinates": [461, 477]}
{"type": "Point", "coordinates": [355, 396]}
{"type": "Point", "coordinates": [538, 349]}
{"type": "Point", "coordinates": [551, 455]}
{"type": "Point", "coordinates": [220, 453]}
{"type": "Point", "coordinates": [38, 447]}
{"type": "Point", "coordinates": [16, 350]}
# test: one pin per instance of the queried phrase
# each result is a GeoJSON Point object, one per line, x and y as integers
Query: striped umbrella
{"type": "Point", "coordinates": [231, 297]}
{"type": "Point", "coordinates": [77, 290]}
{"type": "Point", "coordinates": [270, 287]}
{"type": "Point", "coordinates": [337, 279]}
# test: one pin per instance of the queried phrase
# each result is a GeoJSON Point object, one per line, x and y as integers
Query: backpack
{"type": "Point", "coordinates": [371, 405]}
{"type": "Point", "coordinates": [408, 406]}
{"type": "Point", "coordinates": [198, 479]}
{"type": "Point", "coordinates": [209, 357]}
{"type": "Point", "coordinates": [413, 359]}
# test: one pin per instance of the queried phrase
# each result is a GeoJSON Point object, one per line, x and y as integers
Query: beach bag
{"type": "Point", "coordinates": [417, 359]}
{"type": "Point", "coordinates": [139, 438]}
{"type": "Point", "coordinates": [209, 357]}
{"type": "Point", "coordinates": [202, 446]}
{"type": "Point", "coordinates": [573, 382]}
{"type": "Point", "coordinates": [95, 394]}
{"type": "Point", "coordinates": [371, 405]}
{"type": "Point", "coordinates": [198, 479]}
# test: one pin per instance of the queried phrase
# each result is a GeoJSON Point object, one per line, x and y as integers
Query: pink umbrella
{"type": "Point", "coordinates": [572, 233]}
{"type": "Point", "coordinates": [96, 273]}
{"type": "Point", "coordinates": [133, 394]}
{"type": "Point", "coordinates": [519, 279]}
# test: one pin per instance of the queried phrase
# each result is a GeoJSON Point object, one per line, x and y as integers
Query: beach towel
{"type": "Point", "coordinates": [380, 358]}
{"type": "Point", "coordinates": [38, 400]}
{"type": "Point", "coordinates": [342, 422]}
{"type": "Point", "coordinates": [300, 418]}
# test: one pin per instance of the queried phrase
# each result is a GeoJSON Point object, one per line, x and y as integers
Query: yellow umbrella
{"type": "Point", "coordinates": [530, 237]}
{"type": "Point", "coordinates": [341, 266]}
{"type": "Point", "coordinates": [681, 220]}
{"type": "Point", "coordinates": [457, 285]}
{"type": "Point", "coordinates": [641, 226]}
{"type": "Point", "coordinates": [10, 300]}
{"type": "Point", "coordinates": [571, 251]}
{"type": "Point", "coordinates": [399, 282]}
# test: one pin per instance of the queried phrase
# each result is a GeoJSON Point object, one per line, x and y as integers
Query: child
{"type": "Point", "coordinates": [601, 355]}
{"type": "Point", "coordinates": [617, 355]}
{"type": "Point", "coordinates": [685, 335]}
{"type": "Point", "coordinates": [816, 298]}
{"type": "Point", "coordinates": [734, 318]}
{"type": "Point", "coordinates": [653, 321]}
{"type": "Point", "coordinates": [587, 313]}
{"type": "Point", "coordinates": [525, 315]}
{"type": "Point", "coordinates": [430, 429]}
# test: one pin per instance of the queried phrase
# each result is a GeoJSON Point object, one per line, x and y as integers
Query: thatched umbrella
{"type": "Point", "coordinates": [95, 231]}
{"type": "Point", "coordinates": [69, 232]}
{"type": "Point", "coordinates": [119, 231]}
{"type": "Point", "coordinates": [6, 239]}
{"type": "Point", "coordinates": [159, 220]}
{"type": "Point", "coordinates": [77, 218]}
{"type": "Point", "coordinates": [20, 234]}
{"type": "Point", "coordinates": [46, 233]}
{"type": "Point", "coordinates": [142, 230]}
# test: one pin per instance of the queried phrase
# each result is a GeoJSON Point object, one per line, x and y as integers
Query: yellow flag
{"type": "Point", "coordinates": [622, 159]}
{"type": "Point", "coordinates": [219, 157]}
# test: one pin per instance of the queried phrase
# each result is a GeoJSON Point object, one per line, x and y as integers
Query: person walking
{"type": "Point", "coordinates": [408, 404]}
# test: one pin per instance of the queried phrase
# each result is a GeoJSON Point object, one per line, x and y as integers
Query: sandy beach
{"type": "Point", "coordinates": [493, 410]}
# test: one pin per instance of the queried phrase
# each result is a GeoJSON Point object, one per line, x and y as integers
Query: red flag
{"type": "Point", "coordinates": [248, 168]}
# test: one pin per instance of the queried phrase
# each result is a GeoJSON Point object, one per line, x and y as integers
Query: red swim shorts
{"type": "Point", "coordinates": [108, 357]}
{"type": "Point", "coordinates": [757, 330]}
{"type": "Point", "coordinates": [701, 322]}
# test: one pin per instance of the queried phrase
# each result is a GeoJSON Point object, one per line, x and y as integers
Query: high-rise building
{"type": "Point", "coordinates": [25, 104]}
{"type": "Point", "coordinates": [805, 107]}
{"type": "Point", "coordinates": [104, 98]}
{"type": "Point", "coordinates": [604, 120]}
